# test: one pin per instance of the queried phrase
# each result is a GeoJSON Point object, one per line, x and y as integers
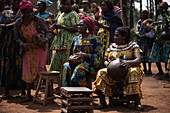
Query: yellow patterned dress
{"type": "Point", "coordinates": [133, 78]}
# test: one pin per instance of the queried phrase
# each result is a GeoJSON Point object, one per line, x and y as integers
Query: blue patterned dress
{"type": "Point", "coordinates": [78, 74]}
{"type": "Point", "coordinates": [144, 42]}
{"type": "Point", "coordinates": [161, 48]}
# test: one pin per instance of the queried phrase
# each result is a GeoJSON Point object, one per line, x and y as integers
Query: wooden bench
{"type": "Point", "coordinates": [49, 76]}
{"type": "Point", "coordinates": [76, 99]}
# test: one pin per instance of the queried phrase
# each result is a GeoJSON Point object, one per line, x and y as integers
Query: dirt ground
{"type": "Point", "coordinates": [156, 99]}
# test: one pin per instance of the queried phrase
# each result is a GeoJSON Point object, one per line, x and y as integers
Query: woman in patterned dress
{"type": "Point", "coordinates": [87, 49]}
{"type": "Point", "coordinates": [144, 40]}
{"type": "Point", "coordinates": [34, 55]}
{"type": "Point", "coordinates": [108, 22]}
{"type": "Point", "coordinates": [66, 26]}
{"type": "Point", "coordinates": [10, 60]}
{"type": "Point", "coordinates": [161, 48]}
{"type": "Point", "coordinates": [131, 59]}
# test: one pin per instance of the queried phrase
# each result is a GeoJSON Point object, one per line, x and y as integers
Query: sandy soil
{"type": "Point", "coordinates": [156, 99]}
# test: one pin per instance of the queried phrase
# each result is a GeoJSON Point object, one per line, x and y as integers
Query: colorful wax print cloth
{"type": "Point", "coordinates": [34, 60]}
{"type": "Point", "coordinates": [10, 60]}
{"type": "Point", "coordinates": [88, 67]}
{"type": "Point", "coordinates": [144, 43]}
{"type": "Point", "coordinates": [45, 16]}
{"type": "Point", "coordinates": [112, 20]}
{"type": "Point", "coordinates": [62, 41]}
{"type": "Point", "coordinates": [133, 78]}
{"type": "Point", "coordinates": [161, 48]}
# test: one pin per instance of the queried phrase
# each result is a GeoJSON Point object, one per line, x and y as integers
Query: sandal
{"type": "Point", "coordinates": [5, 96]}
{"type": "Point", "coordinates": [27, 99]}
{"type": "Point", "coordinates": [158, 74]}
{"type": "Point", "coordinates": [101, 106]}
{"type": "Point", "coordinates": [148, 72]}
{"type": "Point", "coordinates": [139, 108]}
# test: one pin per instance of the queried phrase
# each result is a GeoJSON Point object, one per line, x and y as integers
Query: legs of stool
{"type": "Point", "coordinates": [37, 90]}
{"type": "Point", "coordinates": [59, 83]}
{"type": "Point", "coordinates": [51, 88]}
{"type": "Point", "coordinates": [46, 91]}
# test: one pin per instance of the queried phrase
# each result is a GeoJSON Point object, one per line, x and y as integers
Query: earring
{"type": "Point", "coordinates": [87, 31]}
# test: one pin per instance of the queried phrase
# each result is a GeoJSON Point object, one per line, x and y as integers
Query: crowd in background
{"type": "Point", "coordinates": [79, 42]}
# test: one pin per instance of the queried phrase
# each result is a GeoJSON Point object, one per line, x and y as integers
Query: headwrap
{"type": "Point", "coordinates": [25, 4]}
{"type": "Point", "coordinates": [164, 4]}
{"type": "Point", "coordinates": [47, 2]}
{"type": "Point", "coordinates": [90, 22]}
{"type": "Point", "coordinates": [117, 9]}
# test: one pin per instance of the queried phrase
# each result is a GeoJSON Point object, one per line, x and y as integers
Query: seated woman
{"type": "Point", "coordinates": [131, 59]}
{"type": "Point", "coordinates": [85, 48]}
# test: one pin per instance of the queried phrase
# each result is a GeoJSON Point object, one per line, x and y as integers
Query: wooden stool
{"type": "Point", "coordinates": [77, 99]}
{"type": "Point", "coordinates": [49, 76]}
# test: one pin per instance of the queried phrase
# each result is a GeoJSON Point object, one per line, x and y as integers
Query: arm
{"type": "Point", "coordinates": [23, 46]}
{"type": "Point", "coordinates": [74, 19]}
{"type": "Point", "coordinates": [45, 29]}
{"type": "Point", "coordinates": [72, 29]}
{"type": "Point", "coordinates": [135, 62]}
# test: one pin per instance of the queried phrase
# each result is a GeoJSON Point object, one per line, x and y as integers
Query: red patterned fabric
{"type": "Point", "coordinates": [25, 4]}
{"type": "Point", "coordinates": [90, 23]}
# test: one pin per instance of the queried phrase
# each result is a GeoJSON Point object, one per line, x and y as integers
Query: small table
{"type": "Point", "coordinates": [49, 76]}
{"type": "Point", "coordinates": [76, 99]}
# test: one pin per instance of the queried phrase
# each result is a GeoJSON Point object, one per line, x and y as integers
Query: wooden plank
{"type": "Point", "coordinates": [49, 72]}
{"type": "Point", "coordinates": [64, 102]}
{"type": "Point", "coordinates": [64, 110]}
{"type": "Point", "coordinates": [76, 90]}
{"type": "Point", "coordinates": [81, 99]}
{"type": "Point", "coordinates": [80, 107]}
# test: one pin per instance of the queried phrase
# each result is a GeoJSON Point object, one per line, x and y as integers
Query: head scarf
{"type": "Point", "coordinates": [25, 4]}
{"type": "Point", "coordinates": [89, 22]}
{"type": "Point", "coordinates": [47, 2]}
{"type": "Point", "coordinates": [165, 4]}
{"type": "Point", "coordinates": [117, 9]}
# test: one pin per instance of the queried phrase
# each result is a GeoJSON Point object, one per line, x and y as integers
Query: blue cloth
{"type": "Point", "coordinates": [114, 21]}
{"type": "Point", "coordinates": [47, 2]}
{"type": "Point", "coordinates": [45, 16]}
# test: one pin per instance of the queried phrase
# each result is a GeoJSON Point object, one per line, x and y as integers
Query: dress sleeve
{"type": "Point", "coordinates": [75, 18]}
{"type": "Point", "coordinates": [137, 50]}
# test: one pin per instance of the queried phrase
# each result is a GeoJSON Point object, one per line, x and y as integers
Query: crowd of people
{"type": "Point", "coordinates": [80, 43]}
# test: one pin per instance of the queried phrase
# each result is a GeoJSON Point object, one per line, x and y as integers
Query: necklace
{"type": "Point", "coordinates": [15, 16]}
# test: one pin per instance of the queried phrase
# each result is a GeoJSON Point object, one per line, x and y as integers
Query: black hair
{"type": "Point", "coordinates": [109, 4]}
{"type": "Point", "coordinates": [145, 11]}
{"type": "Point", "coordinates": [125, 32]}
{"type": "Point", "coordinates": [44, 4]}
{"type": "Point", "coordinates": [63, 1]}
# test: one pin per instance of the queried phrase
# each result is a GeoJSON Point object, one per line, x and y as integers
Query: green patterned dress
{"type": "Point", "coordinates": [62, 41]}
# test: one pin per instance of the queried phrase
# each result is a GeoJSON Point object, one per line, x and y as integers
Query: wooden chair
{"type": "Point", "coordinates": [49, 76]}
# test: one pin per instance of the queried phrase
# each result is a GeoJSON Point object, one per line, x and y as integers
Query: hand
{"type": "Point", "coordinates": [124, 63]}
{"type": "Point", "coordinates": [58, 26]}
{"type": "Point", "coordinates": [143, 36]}
{"type": "Point", "coordinates": [82, 54]}
{"type": "Point", "coordinates": [25, 46]}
